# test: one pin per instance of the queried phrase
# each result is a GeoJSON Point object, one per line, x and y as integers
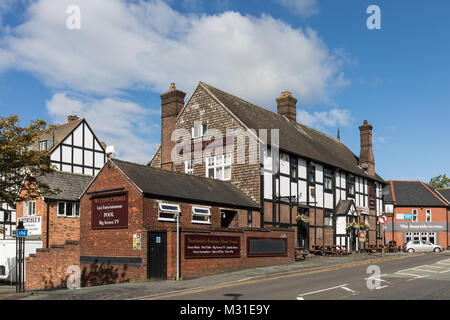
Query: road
{"type": "Point", "coordinates": [413, 278]}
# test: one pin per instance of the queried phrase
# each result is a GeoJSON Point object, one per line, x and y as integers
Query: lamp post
{"type": "Point", "coordinates": [20, 258]}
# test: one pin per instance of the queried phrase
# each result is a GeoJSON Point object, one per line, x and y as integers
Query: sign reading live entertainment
{"type": "Point", "coordinates": [110, 212]}
{"type": "Point", "coordinates": [200, 246]}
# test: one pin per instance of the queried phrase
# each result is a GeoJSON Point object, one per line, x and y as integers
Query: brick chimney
{"type": "Point", "coordinates": [72, 118]}
{"type": "Point", "coordinates": [171, 104]}
{"type": "Point", "coordinates": [366, 158]}
{"type": "Point", "coordinates": [287, 106]}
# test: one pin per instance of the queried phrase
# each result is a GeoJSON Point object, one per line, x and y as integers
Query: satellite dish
{"type": "Point", "coordinates": [110, 150]}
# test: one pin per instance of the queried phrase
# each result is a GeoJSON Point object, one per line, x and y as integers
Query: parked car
{"type": "Point", "coordinates": [422, 246]}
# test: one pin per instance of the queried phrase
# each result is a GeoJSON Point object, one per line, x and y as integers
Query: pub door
{"type": "Point", "coordinates": [157, 255]}
{"type": "Point", "coordinates": [303, 231]}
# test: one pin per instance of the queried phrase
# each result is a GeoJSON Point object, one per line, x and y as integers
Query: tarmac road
{"type": "Point", "coordinates": [414, 278]}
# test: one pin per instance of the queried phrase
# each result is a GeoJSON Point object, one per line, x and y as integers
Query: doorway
{"type": "Point", "coordinates": [303, 231]}
{"type": "Point", "coordinates": [157, 255]}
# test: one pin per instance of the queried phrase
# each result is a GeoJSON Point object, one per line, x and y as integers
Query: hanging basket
{"type": "Point", "coordinates": [303, 219]}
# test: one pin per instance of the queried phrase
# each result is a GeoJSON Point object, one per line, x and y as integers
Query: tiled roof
{"type": "Point", "coordinates": [343, 207]}
{"type": "Point", "coordinates": [168, 184]}
{"type": "Point", "coordinates": [58, 133]}
{"type": "Point", "coordinates": [294, 137]}
{"type": "Point", "coordinates": [414, 193]}
{"type": "Point", "coordinates": [70, 185]}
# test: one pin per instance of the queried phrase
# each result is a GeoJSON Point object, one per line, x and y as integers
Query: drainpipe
{"type": "Point", "coordinates": [48, 224]}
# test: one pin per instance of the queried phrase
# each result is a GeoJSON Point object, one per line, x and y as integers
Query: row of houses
{"type": "Point", "coordinates": [232, 185]}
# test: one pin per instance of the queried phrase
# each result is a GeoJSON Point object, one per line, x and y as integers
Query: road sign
{"type": "Point", "coordinates": [382, 219]}
{"type": "Point", "coordinates": [22, 233]}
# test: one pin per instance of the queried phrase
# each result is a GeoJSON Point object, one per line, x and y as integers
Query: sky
{"type": "Point", "coordinates": [110, 61]}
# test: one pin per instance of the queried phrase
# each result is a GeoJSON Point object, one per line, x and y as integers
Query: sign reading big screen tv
{"type": "Point", "coordinates": [110, 212]}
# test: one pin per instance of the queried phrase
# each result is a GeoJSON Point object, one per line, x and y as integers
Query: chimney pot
{"type": "Point", "coordinates": [287, 106]}
{"type": "Point", "coordinates": [72, 118]}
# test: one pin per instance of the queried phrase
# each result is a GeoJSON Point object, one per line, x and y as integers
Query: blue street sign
{"type": "Point", "coordinates": [407, 217]}
{"type": "Point", "coordinates": [22, 233]}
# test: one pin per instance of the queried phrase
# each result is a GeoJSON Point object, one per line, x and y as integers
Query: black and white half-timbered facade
{"type": "Point", "coordinates": [302, 184]}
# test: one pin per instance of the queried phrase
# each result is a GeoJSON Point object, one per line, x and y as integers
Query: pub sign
{"type": "Point", "coordinates": [110, 212]}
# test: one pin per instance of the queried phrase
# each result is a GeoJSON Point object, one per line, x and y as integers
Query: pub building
{"type": "Point", "coordinates": [317, 173]}
{"type": "Point", "coordinates": [420, 212]}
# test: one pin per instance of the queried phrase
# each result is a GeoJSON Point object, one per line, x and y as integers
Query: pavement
{"type": "Point", "coordinates": [149, 289]}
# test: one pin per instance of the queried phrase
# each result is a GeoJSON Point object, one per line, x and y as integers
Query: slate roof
{"type": "Point", "coordinates": [158, 183]}
{"type": "Point", "coordinates": [294, 137]}
{"type": "Point", "coordinates": [445, 193]}
{"type": "Point", "coordinates": [70, 185]}
{"type": "Point", "coordinates": [58, 133]}
{"type": "Point", "coordinates": [414, 193]}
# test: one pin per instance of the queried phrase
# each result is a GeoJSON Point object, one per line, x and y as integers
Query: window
{"type": "Point", "coordinates": [415, 215]}
{"type": "Point", "coordinates": [249, 219]}
{"type": "Point", "coordinates": [29, 208]}
{"type": "Point", "coordinates": [428, 215]}
{"type": "Point", "coordinates": [328, 177]}
{"type": "Point", "coordinates": [328, 219]}
{"type": "Point", "coordinates": [168, 212]}
{"type": "Point", "coordinates": [189, 167]}
{"type": "Point", "coordinates": [68, 209]}
{"type": "Point", "coordinates": [199, 130]}
{"type": "Point", "coordinates": [311, 174]}
{"type": "Point", "coordinates": [201, 215]}
{"type": "Point", "coordinates": [219, 167]}
{"type": "Point", "coordinates": [42, 145]}
{"type": "Point", "coordinates": [294, 168]}
{"type": "Point", "coordinates": [351, 185]}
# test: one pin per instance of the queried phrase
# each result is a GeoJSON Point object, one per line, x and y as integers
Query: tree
{"type": "Point", "coordinates": [439, 182]}
{"type": "Point", "coordinates": [21, 162]}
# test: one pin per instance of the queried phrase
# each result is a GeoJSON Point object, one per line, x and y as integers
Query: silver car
{"type": "Point", "coordinates": [422, 246]}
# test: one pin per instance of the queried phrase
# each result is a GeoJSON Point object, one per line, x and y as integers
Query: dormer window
{"type": "Point", "coordinates": [45, 145]}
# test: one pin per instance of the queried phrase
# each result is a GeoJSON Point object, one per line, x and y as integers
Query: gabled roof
{"type": "Point", "coordinates": [444, 193]}
{"type": "Point", "coordinates": [294, 137]}
{"type": "Point", "coordinates": [414, 193]}
{"type": "Point", "coordinates": [344, 207]}
{"type": "Point", "coordinates": [162, 184]}
{"type": "Point", "coordinates": [70, 185]}
{"type": "Point", "coordinates": [58, 133]}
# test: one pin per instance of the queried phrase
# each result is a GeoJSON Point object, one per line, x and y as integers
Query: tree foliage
{"type": "Point", "coordinates": [441, 181]}
{"type": "Point", "coordinates": [21, 161]}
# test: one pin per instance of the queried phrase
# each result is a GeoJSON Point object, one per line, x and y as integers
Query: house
{"type": "Point", "coordinates": [299, 173]}
{"type": "Point", "coordinates": [420, 212]}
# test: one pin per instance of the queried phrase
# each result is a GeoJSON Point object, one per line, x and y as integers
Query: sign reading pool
{"type": "Point", "coordinates": [110, 212]}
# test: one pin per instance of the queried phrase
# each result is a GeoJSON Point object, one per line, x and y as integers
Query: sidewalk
{"type": "Point", "coordinates": [149, 288]}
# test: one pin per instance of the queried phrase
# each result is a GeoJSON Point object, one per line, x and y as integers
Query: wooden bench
{"type": "Point", "coordinates": [299, 252]}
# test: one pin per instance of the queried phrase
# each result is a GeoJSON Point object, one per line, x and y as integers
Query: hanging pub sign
{"type": "Point", "coordinates": [110, 212]}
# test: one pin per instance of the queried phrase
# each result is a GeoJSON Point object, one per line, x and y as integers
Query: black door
{"type": "Point", "coordinates": [303, 231]}
{"type": "Point", "coordinates": [157, 255]}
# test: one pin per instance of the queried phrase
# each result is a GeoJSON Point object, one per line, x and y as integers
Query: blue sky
{"type": "Point", "coordinates": [113, 69]}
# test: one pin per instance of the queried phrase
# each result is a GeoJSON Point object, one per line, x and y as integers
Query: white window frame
{"type": "Point", "coordinates": [428, 215]}
{"type": "Point", "coordinates": [189, 167]}
{"type": "Point", "coordinates": [75, 205]}
{"type": "Point", "coordinates": [217, 163]}
{"type": "Point", "coordinates": [199, 130]}
{"type": "Point", "coordinates": [201, 214]}
{"type": "Point", "coordinates": [43, 145]}
{"type": "Point", "coordinates": [175, 210]}
{"type": "Point", "coordinates": [415, 214]}
{"type": "Point", "coordinates": [26, 208]}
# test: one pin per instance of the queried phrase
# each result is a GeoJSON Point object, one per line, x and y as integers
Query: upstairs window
{"type": "Point", "coordinates": [199, 130]}
{"type": "Point", "coordinates": [189, 167]}
{"type": "Point", "coordinates": [415, 215]}
{"type": "Point", "coordinates": [351, 185]}
{"type": "Point", "coordinates": [68, 209]}
{"type": "Point", "coordinates": [168, 212]}
{"type": "Point", "coordinates": [328, 218]}
{"type": "Point", "coordinates": [328, 176]}
{"type": "Point", "coordinates": [428, 217]}
{"type": "Point", "coordinates": [293, 168]}
{"type": "Point", "coordinates": [45, 145]}
{"type": "Point", "coordinates": [201, 215]}
{"type": "Point", "coordinates": [29, 208]}
{"type": "Point", "coordinates": [219, 167]}
{"type": "Point", "coordinates": [311, 174]}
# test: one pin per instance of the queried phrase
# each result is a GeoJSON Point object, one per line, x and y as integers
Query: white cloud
{"type": "Point", "coordinates": [116, 122]}
{"type": "Point", "coordinates": [332, 118]}
{"type": "Point", "coordinates": [304, 8]}
{"type": "Point", "coordinates": [147, 45]}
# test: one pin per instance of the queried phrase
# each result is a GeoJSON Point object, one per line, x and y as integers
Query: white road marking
{"type": "Point", "coordinates": [318, 291]}
{"type": "Point", "coordinates": [379, 288]}
{"type": "Point", "coordinates": [348, 289]}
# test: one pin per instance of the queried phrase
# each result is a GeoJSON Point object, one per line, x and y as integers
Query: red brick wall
{"type": "Point", "coordinates": [191, 267]}
{"type": "Point", "coordinates": [60, 228]}
{"type": "Point", "coordinates": [47, 268]}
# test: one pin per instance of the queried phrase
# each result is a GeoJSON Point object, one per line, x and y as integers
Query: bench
{"type": "Point", "coordinates": [299, 252]}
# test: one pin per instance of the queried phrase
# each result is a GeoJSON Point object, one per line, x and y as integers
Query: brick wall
{"type": "Point", "coordinates": [193, 267]}
{"type": "Point", "coordinates": [47, 269]}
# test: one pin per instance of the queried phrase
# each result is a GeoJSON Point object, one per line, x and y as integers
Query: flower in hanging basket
{"type": "Point", "coordinates": [353, 226]}
{"type": "Point", "coordinates": [303, 218]}
{"type": "Point", "coordinates": [364, 226]}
